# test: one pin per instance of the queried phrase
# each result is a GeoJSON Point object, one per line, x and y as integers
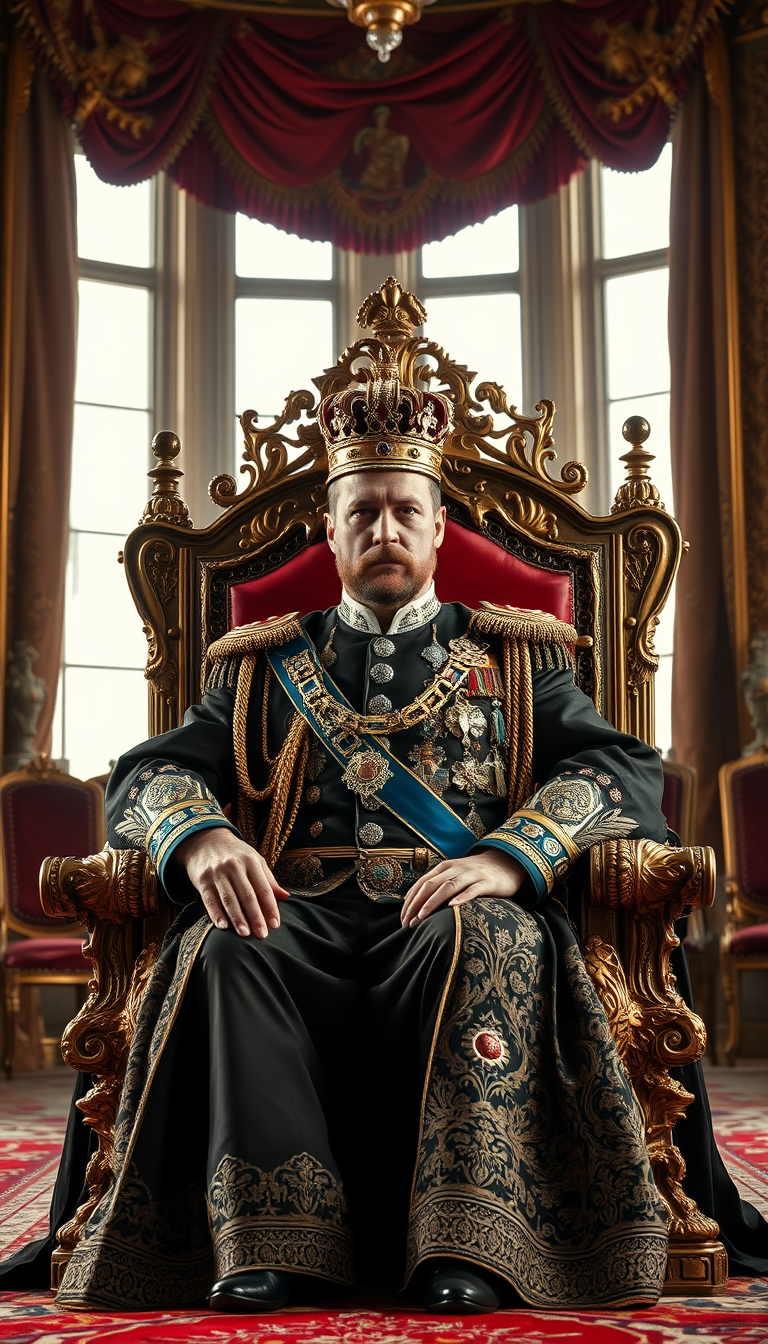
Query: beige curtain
{"type": "Point", "coordinates": [42, 384]}
{"type": "Point", "coordinates": [704, 689]}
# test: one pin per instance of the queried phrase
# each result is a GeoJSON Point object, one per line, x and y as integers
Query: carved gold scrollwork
{"type": "Point", "coordinates": [267, 455]}
{"type": "Point", "coordinates": [653, 1028]}
{"type": "Point", "coordinates": [105, 892]}
{"type": "Point", "coordinates": [159, 560]}
{"type": "Point", "coordinates": [647, 556]}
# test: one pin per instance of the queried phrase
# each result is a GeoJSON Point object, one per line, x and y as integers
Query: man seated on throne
{"type": "Point", "coordinates": [369, 1054]}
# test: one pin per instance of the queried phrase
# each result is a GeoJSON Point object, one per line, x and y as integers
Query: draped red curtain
{"type": "Point", "coordinates": [294, 120]}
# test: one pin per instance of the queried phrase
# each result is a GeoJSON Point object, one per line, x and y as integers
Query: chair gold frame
{"type": "Point", "coordinates": [40, 770]}
{"type": "Point", "coordinates": [741, 910]}
{"type": "Point", "coordinates": [496, 482]}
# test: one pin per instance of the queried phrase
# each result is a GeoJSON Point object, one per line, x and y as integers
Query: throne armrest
{"type": "Point", "coordinates": [111, 893]}
{"type": "Point", "coordinates": [654, 1029]}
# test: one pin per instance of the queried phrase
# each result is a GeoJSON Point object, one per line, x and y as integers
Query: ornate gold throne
{"type": "Point", "coordinates": [531, 544]}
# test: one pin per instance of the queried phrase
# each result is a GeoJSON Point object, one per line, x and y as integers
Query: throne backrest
{"type": "Point", "coordinates": [516, 534]}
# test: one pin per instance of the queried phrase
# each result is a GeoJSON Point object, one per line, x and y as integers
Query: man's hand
{"type": "Point", "coordinates": [235, 883]}
{"type": "Point", "coordinates": [456, 881]}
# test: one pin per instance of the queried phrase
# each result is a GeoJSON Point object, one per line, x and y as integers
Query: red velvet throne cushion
{"type": "Point", "coordinates": [471, 568]}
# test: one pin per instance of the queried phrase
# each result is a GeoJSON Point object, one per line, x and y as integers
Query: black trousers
{"type": "Point", "coordinates": [316, 1041]}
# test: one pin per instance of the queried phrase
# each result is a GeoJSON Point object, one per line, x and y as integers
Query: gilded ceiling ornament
{"type": "Point", "coordinates": [646, 58]}
{"type": "Point", "coordinates": [103, 73]}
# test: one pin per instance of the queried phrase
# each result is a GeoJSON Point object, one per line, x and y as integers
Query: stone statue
{"type": "Point", "coordinates": [25, 695]}
{"type": "Point", "coordinates": [754, 683]}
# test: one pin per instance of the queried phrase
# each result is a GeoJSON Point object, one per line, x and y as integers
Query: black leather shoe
{"type": "Point", "coordinates": [452, 1286]}
{"type": "Point", "coordinates": [254, 1290]}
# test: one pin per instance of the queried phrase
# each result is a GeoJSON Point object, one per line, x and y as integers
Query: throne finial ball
{"type": "Point", "coordinates": [166, 445]}
{"type": "Point", "coordinates": [636, 429]}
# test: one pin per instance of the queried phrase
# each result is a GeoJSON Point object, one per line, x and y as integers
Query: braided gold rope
{"type": "Point", "coordinates": [287, 778]}
{"type": "Point", "coordinates": [511, 692]}
{"type": "Point", "coordinates": [286, 770]}
{"type": "Point", "coordinates": [518, 720]}
{"type": "Point", "coordinates": [525, 748]}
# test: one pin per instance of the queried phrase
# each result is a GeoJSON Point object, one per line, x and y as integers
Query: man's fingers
{"type": "Point", "coordinates": [280, 892]}
{"type": "Point", "coordinates": [215, 909]}
{"type": "Point", "coordinates": [258, 877]}
{"type": "Point", "coordinates": [421, 888]}
{"type": "Point", "coordinates": [433, 900]}
{"type": "Point", "coordinates": [232, 908]}
{"type": "Point", "coordinates": [470, 894]}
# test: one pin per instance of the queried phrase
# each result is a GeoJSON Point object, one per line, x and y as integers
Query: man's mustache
{"type": "Point", "coordinates": [388, 554]}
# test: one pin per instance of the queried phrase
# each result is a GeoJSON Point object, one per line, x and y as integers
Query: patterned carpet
{"type": "Point", "coordinates": [32, 1117]}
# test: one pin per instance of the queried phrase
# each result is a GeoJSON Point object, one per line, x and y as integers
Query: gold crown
{"type": "Point", "coordinates": [384, 424]}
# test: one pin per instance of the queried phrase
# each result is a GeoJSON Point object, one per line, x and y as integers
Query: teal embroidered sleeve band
{"type": "Point", "coordinates": [177, 823]}
{"type": "Point", "coordinates": [539, 844]}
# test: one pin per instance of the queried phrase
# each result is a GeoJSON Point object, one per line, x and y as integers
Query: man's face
{"type": "Point", "coordinates": [385, 536]}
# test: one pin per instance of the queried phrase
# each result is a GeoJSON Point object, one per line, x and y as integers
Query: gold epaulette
{"type": "Point", "coordinates": [551, 638]}
{"type": "Point", "coordinates": [224, 655]}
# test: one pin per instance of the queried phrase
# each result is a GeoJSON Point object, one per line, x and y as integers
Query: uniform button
{"type": "Point", "coordinates": [383, 648]}
{"type": "Point", "coordinates": [370, 834]}
{"type": "Point", "coordinates": [312, 794]}
{"type": "Point", "coordinates": [379, 704]}
{"type": "Point", "coordinates": [316, 829]}
{"type": "Point", "coordinates": [381, 672]}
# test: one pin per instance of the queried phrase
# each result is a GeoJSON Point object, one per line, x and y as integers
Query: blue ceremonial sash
{"type": "Point", "coordinates": [403, 793]}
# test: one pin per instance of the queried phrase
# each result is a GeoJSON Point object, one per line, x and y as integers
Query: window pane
{"type": "Point", "coordinates": [110, 452]}
{"type": "Point", "coordinates": [113, 345]}
{"type": "Point", "coordinates": [267, 253]}
{"type": "Point", "coordinates": [656, 412]}
{"type": "Point", "coordinates": [664, 704]}
{"type": "Point", "coordinates": [637, 345]}
{"type": "Point", "coordinates": [636, 208]}
{"type": "Point", "coordinates": [483, 332]}
{"type": "Point", "coordinates": [105, 713]}
{"type": "Point", "coordinates": [281, 345]}
{"type": "Point", "coordinates": [102, 626]}
{"type": "Point", "coordinates": [480, 249]}
{"type": "Point", "coordinates": [113, 223]}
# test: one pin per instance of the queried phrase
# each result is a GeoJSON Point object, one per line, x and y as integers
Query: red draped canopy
{"type": "Point", "coordinates": [294, 121]}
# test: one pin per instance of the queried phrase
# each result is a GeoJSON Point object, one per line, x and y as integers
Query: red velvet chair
{"type": "Point", "coordinates": [40, 808]}
{"type": "Point", "coordinates": [744, 941]}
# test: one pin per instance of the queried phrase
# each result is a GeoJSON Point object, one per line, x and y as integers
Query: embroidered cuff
{"type": "Point", "coordinates": [566, 816]}
{"type": "Point", "coordinates": [166, 805]}
{"type": "Point", "coordinates": [169, 831]}
{"type": "Point", "coordinates": [544, 850]}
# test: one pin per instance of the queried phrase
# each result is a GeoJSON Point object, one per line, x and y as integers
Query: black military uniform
{"type": "Point", "coordinates": [282, 1102]}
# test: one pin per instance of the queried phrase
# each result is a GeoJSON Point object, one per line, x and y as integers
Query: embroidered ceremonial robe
{"type": "Point", "coordinates": [347, 1098]}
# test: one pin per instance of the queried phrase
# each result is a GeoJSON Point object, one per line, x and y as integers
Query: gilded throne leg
{"type": "Point", "coordinates": [653, 1028]}
{"type": "Point", "coordinates": [107, 892]}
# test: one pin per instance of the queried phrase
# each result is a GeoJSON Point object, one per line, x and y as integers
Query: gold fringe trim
{"type": "Point", "coordinates": [254, 638]}
{"type": "Point", "coordinates": [519, 623]}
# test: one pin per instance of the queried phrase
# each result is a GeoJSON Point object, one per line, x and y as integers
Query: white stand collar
{"type": "Point", "coordinates": [409, 617]}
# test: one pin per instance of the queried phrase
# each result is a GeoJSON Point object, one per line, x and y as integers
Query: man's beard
{"type": "Point", "coordinates": [393, 589]}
